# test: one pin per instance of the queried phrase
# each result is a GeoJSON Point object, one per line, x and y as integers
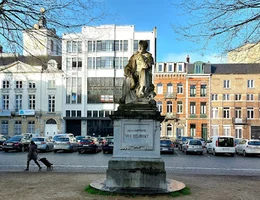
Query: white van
{"type": "Point", "coordinates": [221, 145]}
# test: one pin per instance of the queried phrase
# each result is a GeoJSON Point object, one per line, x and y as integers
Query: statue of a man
{"type": "Point", "coordinates": [138, 86]}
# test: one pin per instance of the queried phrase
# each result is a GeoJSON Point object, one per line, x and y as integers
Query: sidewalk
{"type": "Point", "coordinates": [60, 186]}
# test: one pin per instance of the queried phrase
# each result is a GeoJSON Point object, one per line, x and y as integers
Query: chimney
{"type": "Point", "coordinates": [188, 59]}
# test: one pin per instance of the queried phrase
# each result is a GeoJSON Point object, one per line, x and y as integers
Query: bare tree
{"type": "Point", "coordinates": [226, 23]}
{"type": "Point", "coordinates": [63, 15]}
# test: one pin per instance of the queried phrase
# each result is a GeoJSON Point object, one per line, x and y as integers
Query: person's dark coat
{"type": "Point", "coordinates": [32, 154]}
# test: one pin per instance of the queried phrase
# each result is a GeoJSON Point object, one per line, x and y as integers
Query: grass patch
{"type": "Point", "coordinates": [184, 191]}
{"type": "Point", "coordinates": [91, 190]}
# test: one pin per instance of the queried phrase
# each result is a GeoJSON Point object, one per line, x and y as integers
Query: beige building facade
{"type": "Point", "coordinates": [249, 53]}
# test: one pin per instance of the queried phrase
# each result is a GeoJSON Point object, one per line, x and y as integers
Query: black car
{"type": "Point", "coordinates": [166, 146]}
{"type": "Point", "coordinates": [3, 138]}
{"type": "Point", "coordinates": [89, 145]}
{"type": "Point", "coordinates": [108, 145]}
{"type": "Point", "coordinates": [17, 142]}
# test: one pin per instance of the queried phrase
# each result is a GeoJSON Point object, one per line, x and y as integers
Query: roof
{"type": "Point", "coordinates": [30, 60]}
{"type": "Point", "coordinates": [236, 68]}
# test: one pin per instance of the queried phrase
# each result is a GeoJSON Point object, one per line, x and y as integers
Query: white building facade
{"type": "Point", "coordinates": [93, 63]}
{"type": "Point", "coordinates": [31, 85]}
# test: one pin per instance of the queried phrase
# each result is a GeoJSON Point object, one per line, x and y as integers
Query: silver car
{"type": "Point", "coordinates": [193, 146]}
{"type": "Point", "coordinates": [248, 147]}
{"type": "Point", "coordinates": [44, 143]}
{"type": "Point", "coordinates": [66, 144]}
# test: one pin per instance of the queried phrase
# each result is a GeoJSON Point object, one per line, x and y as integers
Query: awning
{"type": "Point", "coordinates": [5, 113]}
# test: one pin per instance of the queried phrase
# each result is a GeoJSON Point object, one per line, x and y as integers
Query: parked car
{"type": "Point", "coordinates": [62, 135]}
{"type": "Point", "coordinates": [166, 146]}
{"type": "Point", "coordinates": [193, 146]}
{"type": "Point", "coordinates": [108, 146]}
{"type": "Point", "coordinates": [89, 145]}
{"type": "Point", "coordinates": [3, 138]}
{"type": "Point", "coordinates": [79, 137]}
{"type": "Point", "coordinates": [17, 142]}
{"type": "Point", "coordinates": [238, 140]}
{"type": "Point", "coordinates": [65, 143]}
{"type": "Point", "coordinates": [221, 145]}
{"type": "Point", "coordinates": [202, 141]}
{"type": "Point", "coordinates": [101, 140]}
{"type": "Point", "coordinates": [44, 143]}
{"type": "Point", "coordinates": [248, 147]}
{"type": "Point", "coordinates": [182, 140]}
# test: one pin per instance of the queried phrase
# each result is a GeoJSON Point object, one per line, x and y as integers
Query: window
{"type": "Point", "coordinates": [18, 102]}
{"type": "Point", "coordinates": [125, 45]}
{"type": "Point", "coordinates": [74, 47]}
{"type": "Point", "coordinates": [225, 97]}
{"type": "Point", "coordinates": [192, 130]}
{"type": "Point", "coordinates": [159, 88]}
{"type": "Point", "coordinates": [4, 127]}
{"type": "Point", "coordinates": [214, 97]}
{"type": "Point", "coordinates": [170, 68]}
{"type": "Point", "coordinates": [73, 90]}
{"type": "Point", "coordinates": [18, 84]}
{"type": "Point", "coordinates": [250, 97]}
{"type": "Point", "coordinates": [250, 113]}
{"type": "Point", "coordinates": [203, 108]}
{"type": "Point", "coordinates": [179, 107]}
{"type": "Point", "coordinates": [31, 127]}
{"type": "Point", "coordinates": [6, 84]}
{"type": "Point", "coordinates": [238, 132]}
{"type": "Point", "coordinates": [18, 127]}
{"type": "Point", "coordinates": [238, 112]}
{"type": "Point", "coordinates": [192, 108]}
{"type": "Point", "coordinates": [192, 90]}
{"type": "Point", "coordinates": [159, 106]}
{"type": "Point", "coordinates": [52, 46]}
{"type": "Point", "coordinates": [51, 84]}
{"type": "Point", "coordinates": [180, 67]}
{"type": "Point", "coordinates": [238, 97]}
{"type": "Point", "coordinates": [169, 88]}
{"type": "Point", "coordinates": [215, 113]}
{"type": "Point", "coordinates": [31, 84]}
{"type": "Point", "coordinates": [226, 112]}
{"type": "Point", "coordinates": [75, 63]}
{"type": "Point", "coordinates": [169, 107]}
{"type": "Point", "coordinates": [51, 103]}
{"type": "Point", "coordinates": [198, 68]}
{"type": "Point", "coordinates": [226, 84]}
{"type": "Point", "coordinates": [226, 130]}
{"type": "Point", "coordinates": [179, 88]}
{"type": "Point", "coordinates": [250, 83]}
{"type": "Point", "coordinates": [91, 46]}
{"type": "Point", "coordinates": [203, 90]}
{"type": "Point", "coordinates": [169, 130]}
{"type": "Point", "coordinates": [31, 101]}
{"type": "Point", "coordinates": [160, 67]}
{"type": "Point", "coordinates": [5, 102]}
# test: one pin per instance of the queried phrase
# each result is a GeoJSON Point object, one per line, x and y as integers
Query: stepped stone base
{"type": "Point", "coordinates": [127, 176]}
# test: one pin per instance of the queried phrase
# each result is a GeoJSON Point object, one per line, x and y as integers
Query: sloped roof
{"type": "Point", "coordinates": [30, 60]}
{"type": "Point", "coordinates": [236, 68]}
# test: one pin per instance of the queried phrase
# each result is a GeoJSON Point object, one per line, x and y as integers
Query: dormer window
{"type": "Point", "coordinates": [198, 68]}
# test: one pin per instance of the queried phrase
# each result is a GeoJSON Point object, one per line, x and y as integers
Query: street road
{"type": "Point", "coordinates": [178, 163]}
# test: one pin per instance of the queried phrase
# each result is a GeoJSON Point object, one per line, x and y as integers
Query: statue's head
{"type": "Point", "coordinates": [143, 45]}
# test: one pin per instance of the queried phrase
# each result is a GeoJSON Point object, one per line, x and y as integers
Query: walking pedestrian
{"type": "Point", "coordinates": [32, 155]}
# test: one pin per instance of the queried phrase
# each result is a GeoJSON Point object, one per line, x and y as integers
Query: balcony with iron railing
{"type": "Point", "coordinates": [172, 95]}
{"type": "Point", "coordinates": [239, 121]}
{"type": "Point", "coordinates": [169, 116]}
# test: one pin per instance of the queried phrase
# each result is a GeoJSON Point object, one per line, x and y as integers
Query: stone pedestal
{"type": "Point", "coordinates": [136, 164]}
